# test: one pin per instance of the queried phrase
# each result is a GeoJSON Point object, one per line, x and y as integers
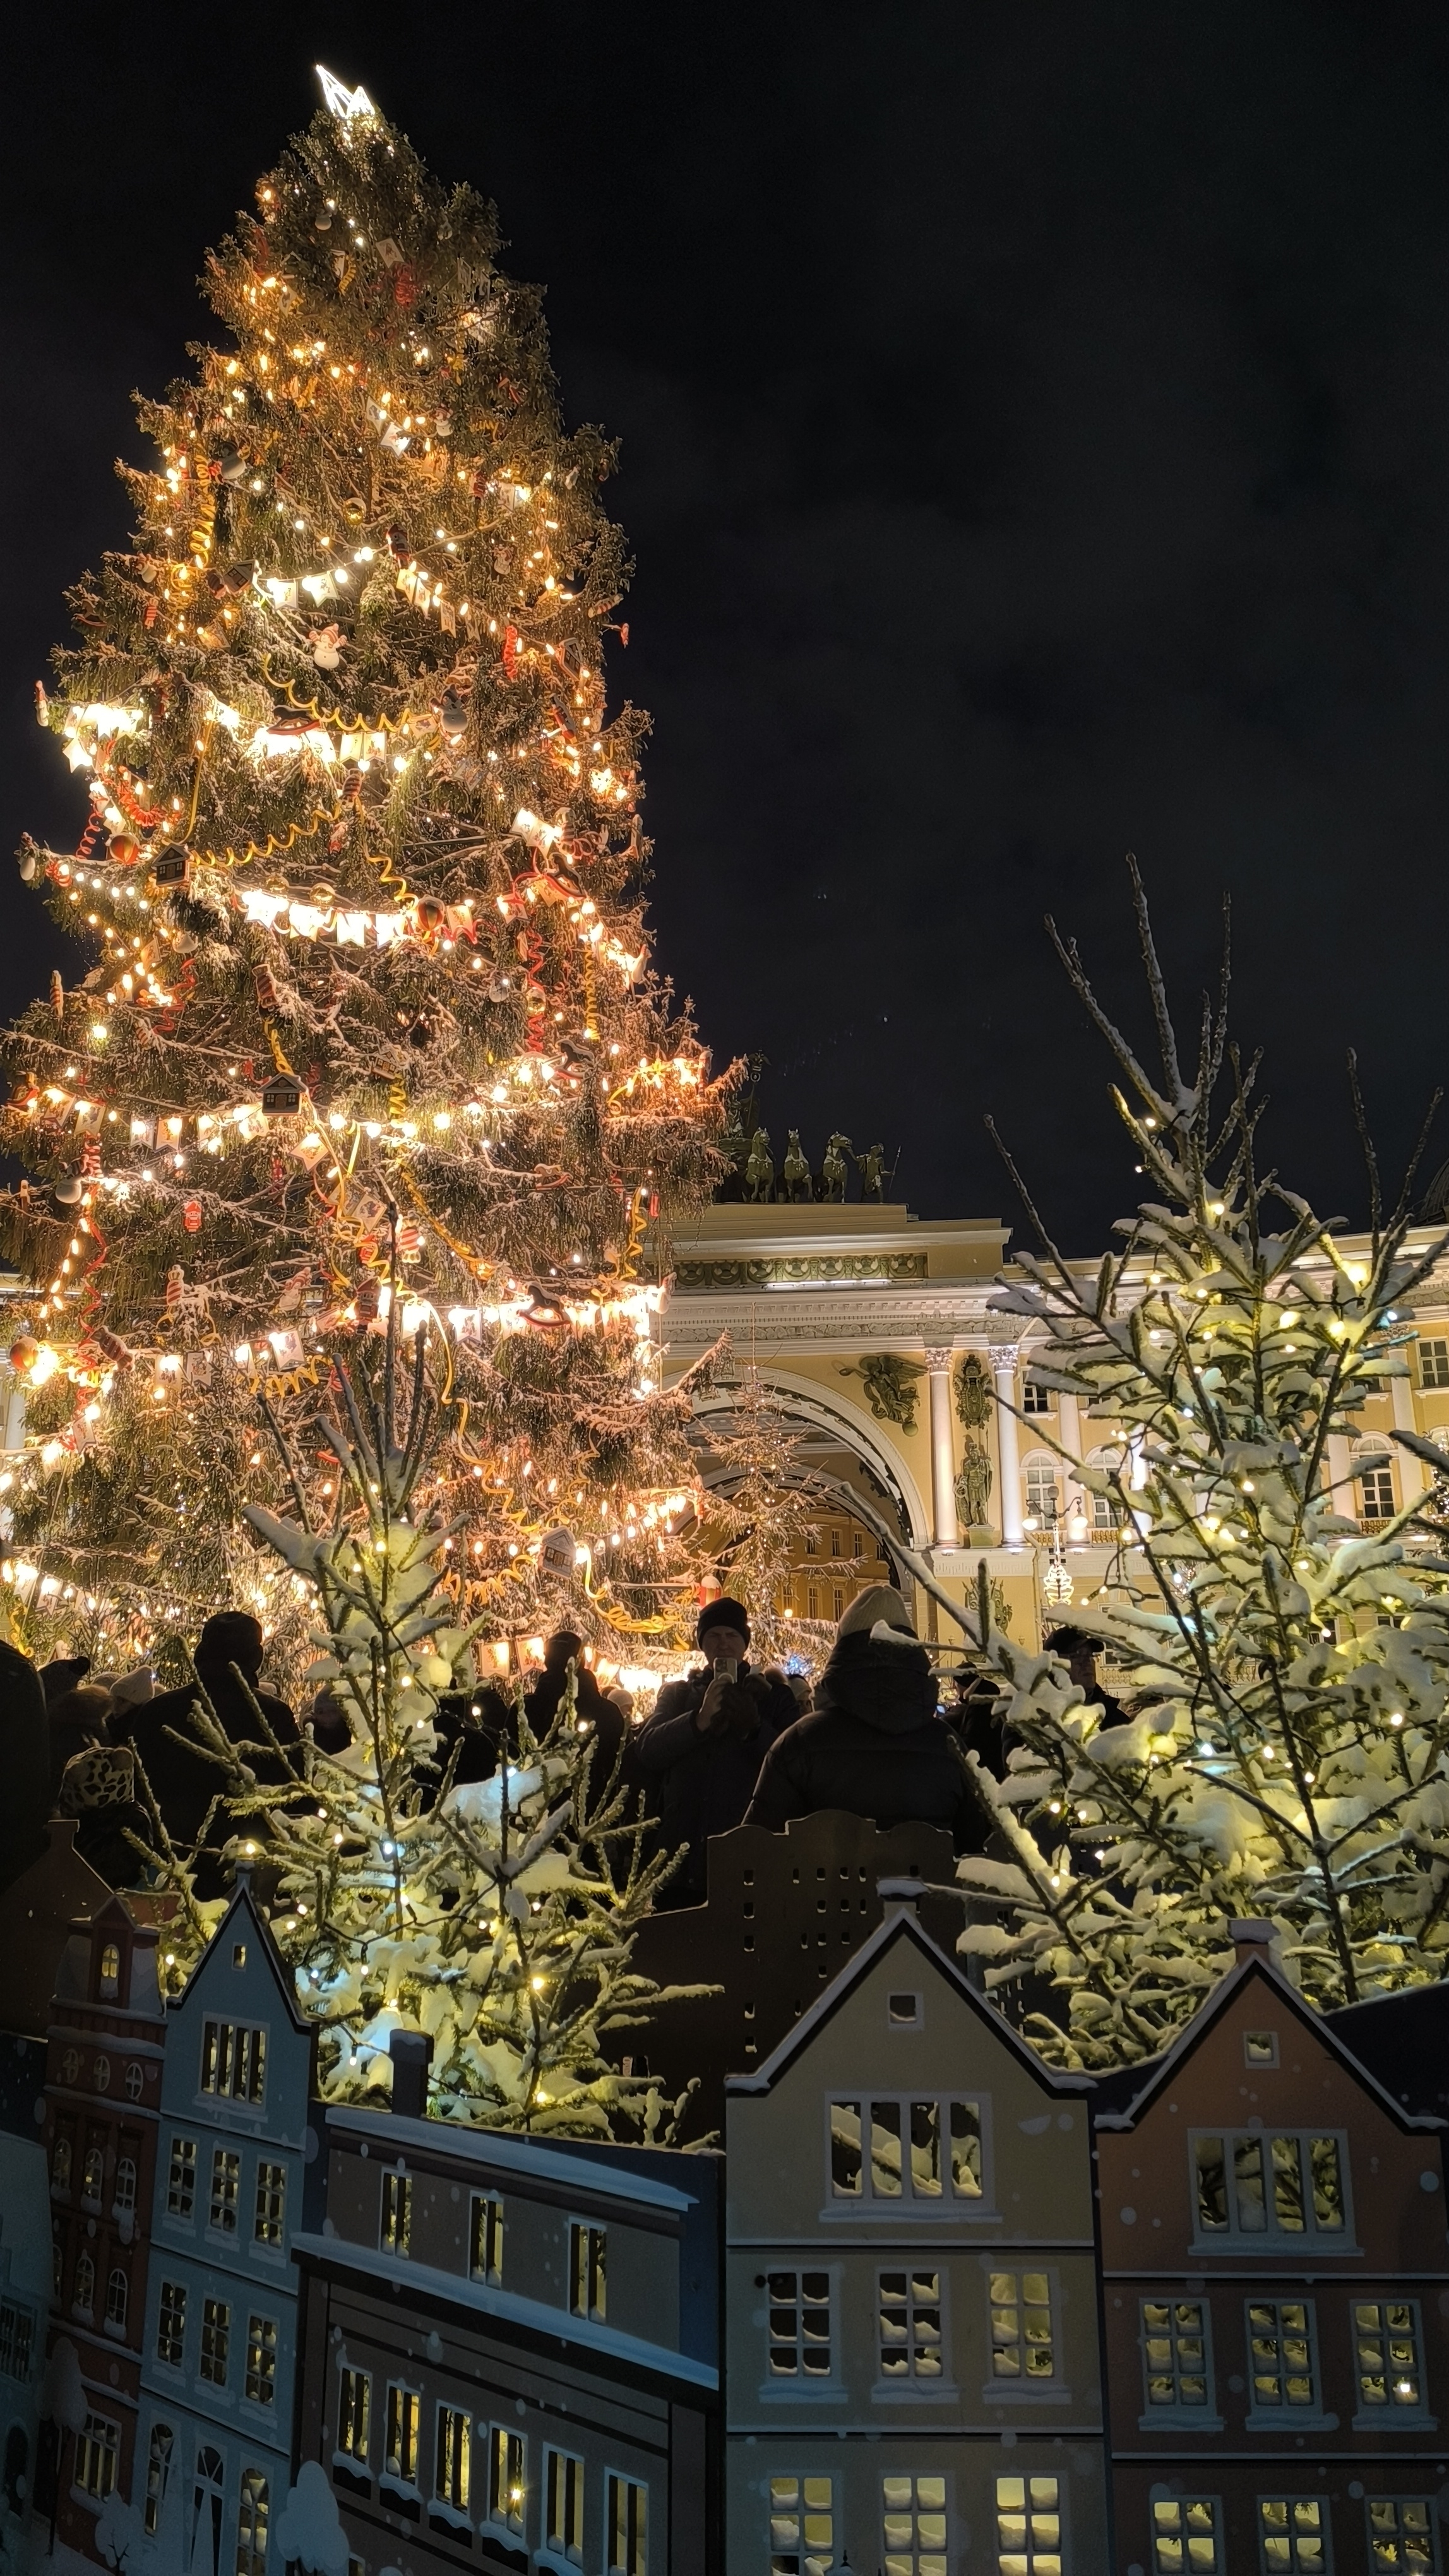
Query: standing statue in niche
{"type": "Point", "coordinates": [973, 1485]}
{"type": "Point", "coordinates": [760, 1169]}
{"type": "Point", "coordinates": [834, 1171]}
{"type": "Point", "coordinates": [871, 1167]}
{"type": "Point", "coordinates": [795, 1172]}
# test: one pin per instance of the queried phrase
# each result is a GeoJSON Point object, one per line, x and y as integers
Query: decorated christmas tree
{"type": "Point", "coordinates": [369, 1010]}
{"type": "Point", "coordinates": [1286, 1675]}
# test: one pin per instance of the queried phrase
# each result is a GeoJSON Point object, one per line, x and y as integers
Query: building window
{"type": "Point", "coordinates": [857, 1542]}
{"type": "Point", "coordinates": [1434, 1363]}
{"type": "Point", "coordinates": [17, 2334]}
{"type": "Point", "coordinates": [181, 2181]}
{"type": "Point", "coordinates": [135, 2080]}
{"type": "Point", "coordinates": [1028, 2527]}
{"type": "Point", "coordinates": [1386, 2352]}
{"type": "Point", "coordinates": [60, 2166]}
{"type": "Point", "coordinates": [486, 2238]}
{"type": "Point", "coordinates": [812, 1601]}
{"type": "Point", "coordinates": [812, 1542]}
{"type": "Point", "coordinates": [1035, 1399]}
{"type": "Point", "coordinates": [110, 1968]}
{"type": "Point", "coordinates": [799, 2316]}
{"type": "Point", "coordinates": [225, 2190]}
{"type": "Point", "coordinates": [234, 2060]}
{"type": "Point", "coordinates": [1280, 2352]}
{"type": "Point", "coordinates": [913, 2526]}
{"type": "Point", "coordinates": [354, 2415]}
{"type": "Point", "coordinates": [1187, 2536]}
{"type": "Point", "coordinates": [85, 2285]}
{"type": "Point", "coordinates": [1292, 2535]}
{"type": "Point", "coordinates": [837, 1542]}
{"type": "Point", "coordinates": [118, 2299]}
{"type": "Point", "coordinates": [1175, 2364]}
{"type": "Point", "coordinates": [97, 2456]}
{"type": "Point", "coordinates": [215, 2340]}
{"type": "Point", "coordinates": [401, 2456]}
{"type": "Point", "coordinates": [397, 2199]}
{"type": "Point", "coordinates": [837, 1601]}
{"type": "Point", "coordinates": [909, 2320]}
{"type": "Point", "coordinates": [171, 2324]}
{"type": "Point", "coordinates": [802, 2526]}
{"type": "Point", "coordinates": [916, 2149]}
{"type": "Point", "coordinates": [1260, 2186]}
{"type": "Point", "coordinates": [125, 2190]}
{"type": "Point", "coordinates": [261, 2376]}
{"type": "Point", "coordinates": [1043, 1495]}
{"type": "Point", "coordinates": [1022, 2343]}
{"type": "Point", "coordinates": [1401, 2533]}
{"type": "Point", "coordinates": [588, 2273]}
{"type": "Point", "coordinates": [269, 2220]}
{"type": "Point", "coordinates": [628, 2527]}
{"type": "Point", "coordinates": [93, 2175]}
{"type": "Point", "coordinates": [251, 2524]}
{"type": "Point", "coordinates": [563, 2478]}
{"type": "Point", "coordinates": [454, 2457]}
{"type": "Point", "coordinates": [1376, 1494]}
{"type": "Point", "coordinates": [507, 2493]}
{"type": "Point", "coordinates": [159, 2462]}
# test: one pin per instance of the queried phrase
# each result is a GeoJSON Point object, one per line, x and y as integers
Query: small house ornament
{"type": "Point", "coordinates": [556, 1552]}
{"type": "Point", "coordinates": [172, 867]}
{"type": "Point", "coordinates": [282, 1096]}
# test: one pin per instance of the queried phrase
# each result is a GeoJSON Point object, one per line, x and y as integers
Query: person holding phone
{"type": "Point", "coordinates": [702, 1749]}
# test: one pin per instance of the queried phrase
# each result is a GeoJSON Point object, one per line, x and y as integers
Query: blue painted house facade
{"type": "Point", "coordinates": [213, 2452]}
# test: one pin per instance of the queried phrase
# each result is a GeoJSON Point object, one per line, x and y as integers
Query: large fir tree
{"type": "Point", "coordinates": [370, 1008]}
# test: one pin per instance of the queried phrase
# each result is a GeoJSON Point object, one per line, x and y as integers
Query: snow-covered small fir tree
{"type": "Point", "coordinates": [495, 1915]}
{"type": "Point", "coordinates": [1287, 1673]}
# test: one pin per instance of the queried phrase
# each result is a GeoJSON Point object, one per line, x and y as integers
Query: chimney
{"type": "Point", "coordinates": [901, 1895]}
{"type": "Point", "coordinates": [1252, 1939]}
{"type": "Point", "coordinates": [411, 2052]}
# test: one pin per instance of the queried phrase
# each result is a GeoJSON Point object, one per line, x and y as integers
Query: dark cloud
{"type": "Point", "coordinates": [1034, 447]}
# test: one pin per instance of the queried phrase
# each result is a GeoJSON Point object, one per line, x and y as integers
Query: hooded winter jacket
{"type": "Point", "coordinates": [873, 1745]}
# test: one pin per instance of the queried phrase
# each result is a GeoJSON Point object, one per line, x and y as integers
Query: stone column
{"type": "Point", "coordinates": [1008, 1456]}
{"type": "Point", "coordinates": [943, 1461]}
{"type": "Point", "coordinates": [1412, 1476]}
{"type": "Point", "coordinates": [1078, 1503]}
{"type": "Point", "coordinates": [1339, 1465]}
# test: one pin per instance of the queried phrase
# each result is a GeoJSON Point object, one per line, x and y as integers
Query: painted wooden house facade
{"type": "Point", "coordinates": [105, 2052]}
{"type": "Point", "coordinates": [912, 2357]}
{"type": "Point", "coordinates": [218, 2395]}
{"type": "Point", "coordinates": [511, 2351]}
{"type": "Point", "coordinates": [1275, 2288]}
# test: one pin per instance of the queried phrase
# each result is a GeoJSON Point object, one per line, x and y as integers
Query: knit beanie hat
{"type": "Point", "coordinates": [723, 1613]}
{"type": "Point", "coordinates": [880, 1605]}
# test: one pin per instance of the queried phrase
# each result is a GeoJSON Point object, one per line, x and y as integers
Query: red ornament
{"type": "Point", "coordinates": [266, 988]}
{"type": "Point", "coordinates": [191, 1216]}
{"type": "Point", "coordinates": [510, 651]}
{"type": "Point", "coordinates": [366, 1299]}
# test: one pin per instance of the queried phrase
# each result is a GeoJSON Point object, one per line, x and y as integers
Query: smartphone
{"type": "Point", "coordinates": [727, 1672]}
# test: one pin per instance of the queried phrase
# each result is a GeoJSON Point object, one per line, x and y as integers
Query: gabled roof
{"type": "Point", "coordinates": [900, 1925]}
{"type": "Point", "coordinates": [243, 1908]}
{"type": "Point", "coordinates": [1160, 2070]}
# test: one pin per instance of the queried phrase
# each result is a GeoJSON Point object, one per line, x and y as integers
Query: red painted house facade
{"type": "Point", "coordinates": [1275, 2298]}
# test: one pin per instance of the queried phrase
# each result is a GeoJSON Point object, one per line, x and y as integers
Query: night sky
{"type": "Point", "coordinates": [1034, 448]}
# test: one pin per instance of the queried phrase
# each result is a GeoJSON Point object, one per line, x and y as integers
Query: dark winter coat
{"type": "Point", "coordinates": [701, 1784]}
{"type": "Point", "coordinates": [593, 1714]}
{"type": "Point", "coordinates": [873, 1745]}
{"type": "Point", "coordinates": [184, 1783]}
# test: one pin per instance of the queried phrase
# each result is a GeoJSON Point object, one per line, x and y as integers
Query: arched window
{"type": "Point", "coordinates": [110, 1968]}
{"type": "Point", "coordinates": [85, 2284]}
{"type": "Point", "coordinates": [1376, 1502]}
{"type": "Point", "coordinates": [60, 2165]}
{"type": "Point", "coordinates": [94, 2174]}
{"type": "Point", "coordinates": [118, 2299]}
{"type": "Point", "coordinates": [158, 2474]}
{"type": "Point", "coordinates": [1043, 1494]}
{"type": "Point", "coordinates": [251, 2524]}
{"type": "Point", "coordinates": [206, 2510]}
{"type": "Point", "coordinates": [126, 2182]}
{"type": "Point", "coordinates": [1107, 1512]}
